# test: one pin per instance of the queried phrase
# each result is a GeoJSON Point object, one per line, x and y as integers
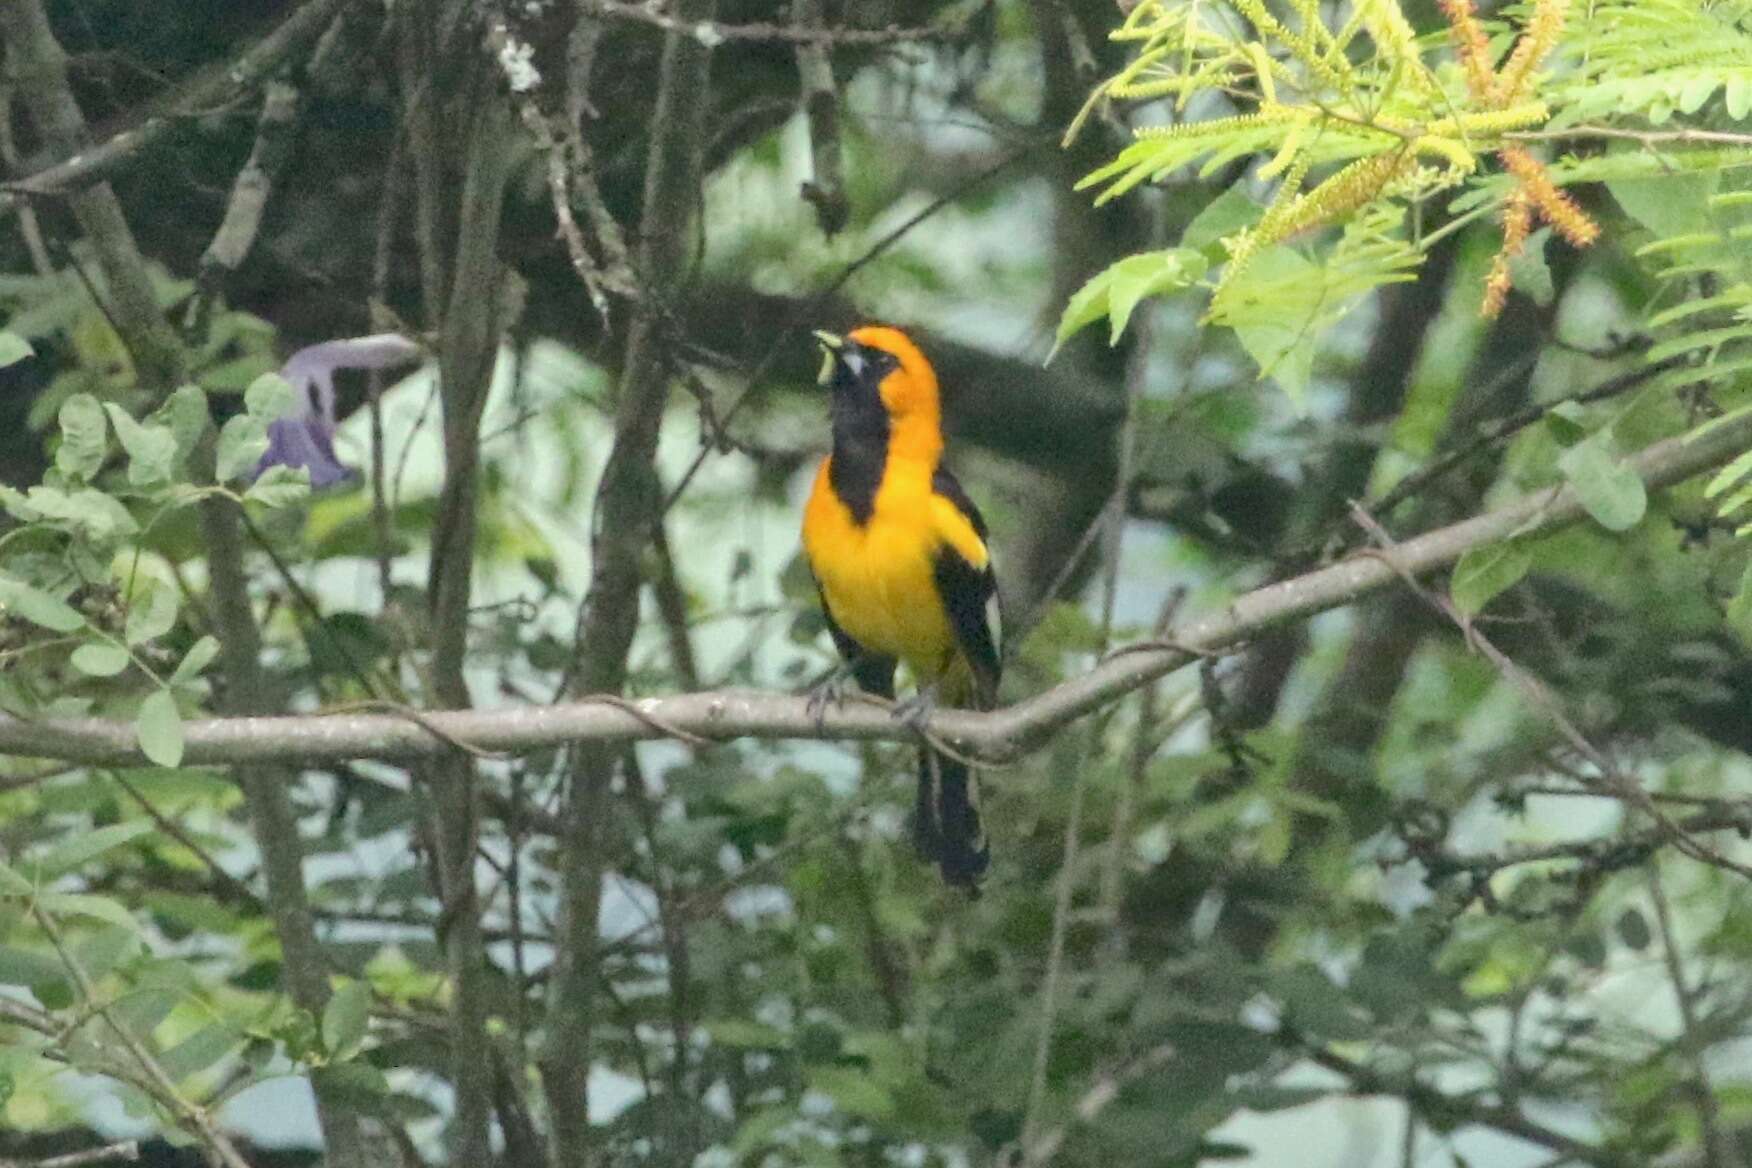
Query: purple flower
{"type": "Point", "coordinates": [306, 441]}
{"type": "Point", "coordinates": [306, 436]}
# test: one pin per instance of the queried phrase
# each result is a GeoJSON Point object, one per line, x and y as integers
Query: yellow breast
{"type": "Point", "coordinates": [877, 577]}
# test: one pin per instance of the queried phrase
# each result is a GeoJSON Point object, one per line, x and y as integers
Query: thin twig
{"type": "Point", "coordinates": [199, 1122]}
{"type": "Point", "coordinates": [127, 1150]}
{"type": "Point", "coordinates": [87, 164]}
{"type": "Point", "coordinates": [28, 226]}
{"type": "Point", "coordinates": [170, 827]}
{"type": "Point", "coordinates": [1600, 854]}
{"type": "Point", "coordinates": [1717, 1152]}
{"type": "Point", "coordinates": [1103, 1091]}
{"type": "Point", "coordinates": [1646, 137]}
{"type": "Point", "coordinates": [1501, 428]}
{"type": "Point", "coordinates": [571, 178]}
{"type": "Point", "coordinates": [1446, 1111]}
{"type": "Point", "coordinates": [710, 33]}
{"type": "Point", "coordinates": [1610, 775]}
{"type": "Point", "coordinates": [672, 607]}
{"type": "Point", "coordinates": [388, 217]}
{"type": "Point", "coordinates": [250, 191]}
{"type": "Point", "coordinates": [826, 188]}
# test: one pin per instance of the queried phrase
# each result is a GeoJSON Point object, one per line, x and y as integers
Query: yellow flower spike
{"type": "Point", "coordinates": [1262, 69]}
{"type": "Point", "coordinates": [1149, 90]}
{"type": "Point", "coordinates": [1488, 123]}
{"type": "Point", "coordinates": [1563, 213]}
{"type": "Point", "coordinates": [1537, 40]}
{"type": "Point", "coordinates": [1130, 73]}
{"type": "Point", "coordinates": [1448, 150]}
{"type": "Point", "coordinates": [1215, 127]}
{"type": "Point", "coordinates": [1352, 187]}
{"type": "Point", "coordinates": [1388, 28]}
{"type": "Point", "coordinates": [1285, 156]}
{"type": "Point", "coordinates": [1472, 47]}
{"type": "Point", "coordinates": [1133, 25]}
{"type": "Point", "coordinates": [1301, 47]}
{"type": "Point", "coordinates": [1517, 225]}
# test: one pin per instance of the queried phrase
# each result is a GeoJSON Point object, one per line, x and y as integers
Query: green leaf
{"type": "Point", "coordinates": [268, 397]}
{"type": "Point", "coordinates": [1115, 292]}
{"type": "Point", "coordinates": [22, 967]}
{"type": "Point", "coordinates": [84, 437]}
{"type": "Point", "coordinates": [36, 606]}
{"type": "Point", "coordinates": [100, 659]}
{"type": "Point", "coordinates": [79, 904]}
{"type": "Point", "coordinates": [1729, 475]}
{"type": "Point", "coordinates": [1608, 487]}
{"type": "Point", "coordinates": [88, 845]}
{"type": "Point", "coordinates": [1150, 274]}
{"type": "Point", "coordinates": [55, 993]}
{"type": "Point", "coordinates": [105, 949]}
{"type": "Point", "coordinates": [242, 443]}
{"type": "Point", "coordinates": [15, 883]}
{"type": "Point", "coordinates": [101, 516]}
{"type": "Point", "coordinates": [184, 414]}
{"type": "Point", "coordinates": [356, 1084]}
{"type": "Point", "coordinates": [1530, 273]}
{"type": "Point", "coordinates": [151, 448]}
{"type": "Point", "coordinates": [346, 1018]}
{"type": "Point", "coordinates": [152, 610]}
{"type": "Point", "coordinates": [1671, 205]}
{"type": "Point", "coordinates": [199, 656]}
{"type": "Point", "coordinates": [1739, 611]}
{"type": "Point", "coordinates": [1738, 97]}
{"type": "Point", "coordinates": [201, 1050]}
{"type": "Point", "coordinates": [1312, 1003]}
{"type": "Point", "coordinates": [1567, 422]}
{"type": "Point", "coordinates": [746, 1033]}
{"type": "Point", "coordinates": [1087, 305]}
{"type": "Point", "coordinates": [1633, 929]}
{"type": "Point", "coordinates": [280, 486]}
{"type": "Point", "coordinates": [13, 349]}
{"type": "Point", "coordinates": [159, 728]}
{"type": "Point", "coordinates": [1224, 215]}
{"type": "Point", "coordinates": [1281, 341]}
{"type": "Point", "coordinates": [852, 1091]}
{"type": "Point", "coordinates": [1484, 572]}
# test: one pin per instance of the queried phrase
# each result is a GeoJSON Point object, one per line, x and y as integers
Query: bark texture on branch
{"type": "Point", "coordinates": [728, 714]}
{"type": "Point", "coordinates": [213, 88]}
{"type": "Point", "coordinates": [628, 517]}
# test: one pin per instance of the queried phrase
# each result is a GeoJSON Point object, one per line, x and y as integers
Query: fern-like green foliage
{"type": "Point", "coordinates": [1351, 118]}
{"type": "Point", "coordinates": [1652, 59]}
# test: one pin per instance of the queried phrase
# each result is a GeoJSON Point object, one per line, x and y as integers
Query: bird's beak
{"type": "Point", "coordinates": [830, 347]}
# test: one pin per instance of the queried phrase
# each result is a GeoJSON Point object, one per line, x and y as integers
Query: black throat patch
{"type": "Point", "coordinates": [860, 430]}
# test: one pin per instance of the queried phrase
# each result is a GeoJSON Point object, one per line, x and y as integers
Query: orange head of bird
{"type": "Point", "coordinates": [882, 386]}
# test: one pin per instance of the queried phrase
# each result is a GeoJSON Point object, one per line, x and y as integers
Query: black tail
{"type": "Point", "coordinates": [946, 826]}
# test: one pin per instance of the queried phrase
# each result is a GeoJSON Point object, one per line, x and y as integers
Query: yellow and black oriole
{"type": "Point", "coordinates": [899, 556]}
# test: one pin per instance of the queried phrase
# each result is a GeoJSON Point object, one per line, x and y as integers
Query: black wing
{"type": "Point", "coordinates": [873, 672]}
{"type": "Point", "coordinates": [968, 595]}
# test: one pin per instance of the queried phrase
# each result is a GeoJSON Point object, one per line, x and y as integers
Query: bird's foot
{"type": "Point", "coordinates": [915, 711]}
{"type": "Point", "coordinates": [830, 690]}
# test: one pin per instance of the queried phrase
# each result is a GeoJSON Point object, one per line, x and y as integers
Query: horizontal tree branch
{"type": "Point", "coordinates": [127, 1150]}
{"type": "Point", "coordinates": [722, 715]}
{"type": "Point", "coordinates": [1449, 1110]}
{"type": "Point", "coordinates": [711, 33]}
{"type": "Point", "coordinates": [210, 89]}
